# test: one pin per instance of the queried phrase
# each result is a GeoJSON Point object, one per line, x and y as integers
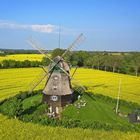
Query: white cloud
{"type": "Point", "coordinates": [45, 28]}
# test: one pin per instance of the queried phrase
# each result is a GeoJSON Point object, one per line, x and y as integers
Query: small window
{"type": "Point", "coordinates": [55, 78]}
{"type": "Point", "coordinates": [54, 98]}
{"type": "Point", "coordinates": [55, 87]}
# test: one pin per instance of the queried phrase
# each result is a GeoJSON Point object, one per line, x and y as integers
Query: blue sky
{"type": "Point", "coordinates": [108, 25]}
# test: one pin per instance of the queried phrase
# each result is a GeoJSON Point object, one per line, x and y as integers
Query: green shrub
{"type": "Point", "coordinates": [12, 107]}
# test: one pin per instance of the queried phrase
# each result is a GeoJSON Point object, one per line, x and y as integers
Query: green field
{"type": "Point", "coordinates": [22, 57]}
{"type": "Point", "coordinates": [95, 110]}
{"type": "Point", "coordinates": [14, 80]}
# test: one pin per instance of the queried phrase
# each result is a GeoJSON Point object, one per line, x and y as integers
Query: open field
{"type": "Point", "coordinates": [14, 80]}
{"type": "Point", "coordinates": [22, 57]}
{"type": "Point", "coordinates": [107, 83]}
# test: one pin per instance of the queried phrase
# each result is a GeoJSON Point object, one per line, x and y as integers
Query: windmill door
{"type": "Point", "coordinates": [54, 109]}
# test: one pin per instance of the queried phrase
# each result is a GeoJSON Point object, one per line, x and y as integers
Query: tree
{"type": "Point", "coordinates": [78, 58]}
{"type": "Point", "coordinates": [126, 64]}
{"type": "Point", "coordinates": [26, 63]}
{"type": "Point", "coordinates": [91, 61]}
{"type": "Point", "coordinates": [136, 62]}
{"type": "Point", "coordinates": [98, 59]}
{"type": "Point", "coordinates": [57, 52]}
{"type": "Point", "coordinates": [115, 62]}
{"type": "Point", "coordinates": [5, 64]}
{"type": "Point", "coordinates": [105, 60]}
{"type": "Point", "coordinates": [45, 61]}
{"type": "Point", "coordinates": [12, 63]}
{"type": "Point", "coordinates": [81, 57]}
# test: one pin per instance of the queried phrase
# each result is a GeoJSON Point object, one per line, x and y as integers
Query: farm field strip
{"type": "Point", "coordinates": [17, 129]}
{"type": "Point", "coordinates": [107, 83]}
{"type": "Point", "coordinates": [22, 57]}
{"type": "Point", "coordinates": [14, 80]}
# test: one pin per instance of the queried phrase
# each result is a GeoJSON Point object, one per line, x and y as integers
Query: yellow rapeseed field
{"type": "Point", "coordinates": [107, 83]}
{"type": "Point", "coordinates": [18, 79]}
{"type": "Point", "coordinates": [14, 80]}
{"type": "Point", "coordinates": [22, 57]}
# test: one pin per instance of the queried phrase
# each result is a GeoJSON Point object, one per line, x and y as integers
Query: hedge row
{"type": "Point", "coordinates": [22, 64]}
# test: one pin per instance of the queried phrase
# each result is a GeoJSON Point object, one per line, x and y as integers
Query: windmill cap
{"type": "Point", "coordinates": [58, 58]}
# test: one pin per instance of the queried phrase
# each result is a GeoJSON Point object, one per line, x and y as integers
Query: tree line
{"type": "Point", "coordinates": [127, 63]}
{"type": "Point", "coordinates": [22, 64]}
{"type": "Point", "coordinates": [17, 51]}
{"type": "Point", "coordinates": [123, 62]}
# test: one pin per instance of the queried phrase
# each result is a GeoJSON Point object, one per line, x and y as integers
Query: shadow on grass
{"type": "Point", "coordinates": [31, 110]}
{"type": "Point", "coordinates": [76, 94]}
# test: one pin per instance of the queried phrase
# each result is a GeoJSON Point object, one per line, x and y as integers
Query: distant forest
{"type": "Point", "coordinates": [120, 62]}
{"type": "Point", "coordinates": [17, 51]}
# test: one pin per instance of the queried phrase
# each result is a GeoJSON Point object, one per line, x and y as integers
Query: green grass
{"type": "Point", "coordinates": [97, 109]}
{"type": "Point", "coordinates": [94, 110]}
{"type": "Point", "coordinates": [27, 103]}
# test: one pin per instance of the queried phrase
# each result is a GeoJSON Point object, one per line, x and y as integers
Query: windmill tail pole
{"type": "Point", "coordinates": [118, 98]}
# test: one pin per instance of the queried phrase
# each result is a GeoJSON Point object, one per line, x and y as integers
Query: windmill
{"type": "Point", "coordinates": [58, 90]}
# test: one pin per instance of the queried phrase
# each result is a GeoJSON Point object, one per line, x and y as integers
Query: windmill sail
{"type": "Point", "coordinates": [37, 47]}
{"type": "Point", "coordinates": [37, 81]}
{"type": "Point", "coordinates": [58, 90]}
{"type": "Point", "coordinates": [42, 51]}
{"type": "Point", "coordinates": [74, 44]}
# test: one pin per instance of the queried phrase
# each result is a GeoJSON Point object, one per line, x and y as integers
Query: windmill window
{"type": "Point", "coordinates": [54, 98]}
{"type": "Point", "coordinates": [54, 87]}
{"type": "Point", "coordinates": [55, 78]}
